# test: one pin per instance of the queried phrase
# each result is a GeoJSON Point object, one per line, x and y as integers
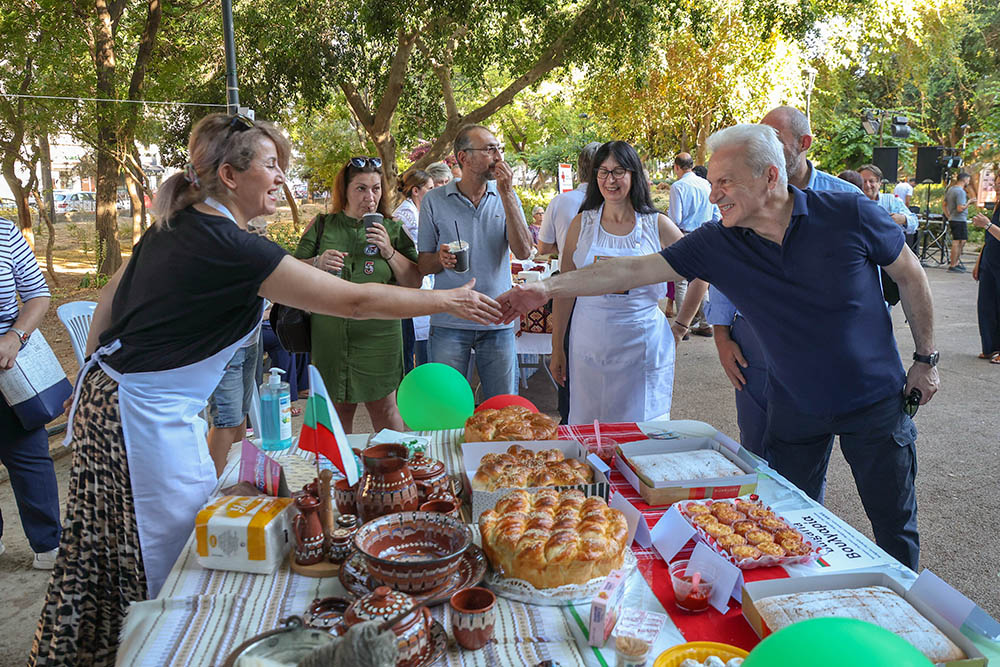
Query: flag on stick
{"type": "Point", "coordinates": [322, 432]}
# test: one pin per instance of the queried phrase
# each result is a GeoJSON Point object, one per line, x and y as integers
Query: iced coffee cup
{"type": "Point", "coordinates": [460, 249]}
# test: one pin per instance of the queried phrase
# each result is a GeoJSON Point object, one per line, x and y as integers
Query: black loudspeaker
{"type": "Point", "coordinates": [886, 158]}
{"type": "Point", "coordinates": [928, 164]}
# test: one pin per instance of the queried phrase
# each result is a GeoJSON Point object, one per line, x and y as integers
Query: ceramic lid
{"type": "Point", "coordinates": [380, 605]}
{"type": "Point", "coordinates": [424, 467]}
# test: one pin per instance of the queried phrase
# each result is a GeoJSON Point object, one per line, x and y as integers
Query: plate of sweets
{"type": "Point", "coordinates": [747, 532]}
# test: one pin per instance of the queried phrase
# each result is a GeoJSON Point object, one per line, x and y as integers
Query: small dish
{"type": "Point", "coordinates": [471, 570]}
{"type": "Point", "coordinates": [699, 651]}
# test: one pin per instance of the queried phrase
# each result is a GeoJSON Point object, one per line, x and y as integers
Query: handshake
{"type": "Point", "coordinates": [477, 307]}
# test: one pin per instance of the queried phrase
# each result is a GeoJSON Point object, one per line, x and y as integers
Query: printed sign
{"type": "Point", "coordinates": [841, 547]}
{"type": "Point", "coordinates": [565, 177]}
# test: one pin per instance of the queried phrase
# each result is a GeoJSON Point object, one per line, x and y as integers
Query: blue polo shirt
{"type": "Point", "coordinates": [814, 301]}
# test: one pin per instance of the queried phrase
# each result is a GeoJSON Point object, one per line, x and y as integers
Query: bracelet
{"type": "Point", "coordinates": [315, 259]}
{"type": "Point", "coordinates": [988, 225]}
{"type": "Point", "coordinates": [392, 255]}
{"type": "Point", "coordinates": [686, 326]}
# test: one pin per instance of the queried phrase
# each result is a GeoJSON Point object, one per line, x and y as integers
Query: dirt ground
{"type": "Point", "coordinates": [957, 448]}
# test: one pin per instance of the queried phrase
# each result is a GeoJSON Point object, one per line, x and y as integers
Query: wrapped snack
{"type": "Point", "coordinates": [632, 651]}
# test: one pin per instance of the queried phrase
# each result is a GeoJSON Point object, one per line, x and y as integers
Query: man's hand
{"type": "Point", "coordinates": [557, 365]}
{"type": "Point", "coordinates": [445, 256]}
{"type": "Point", "coordinates": [731, 357]}
{"type": "Point", "coordinates": [678, 331]}
{"type": "Point", "coordinates": [522, 299]}
{"type": "Point", "coordinates": [469, 304]}
{"type": "Point", "coordinates": [331, 260]}
{"type": "Point", "coordinates": [925, 378]}
{"type": "Point", "coordinates": [10, 345]}
{"type": "Point", "coordinates": [980, 220]}
{"type": "Point", "coordinates": [505, 177]}
{"type": "Point", "coordinates": [899, 219]}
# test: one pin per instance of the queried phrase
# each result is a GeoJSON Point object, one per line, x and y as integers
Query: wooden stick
{"type": "Point", "coordinates": [325, 510]}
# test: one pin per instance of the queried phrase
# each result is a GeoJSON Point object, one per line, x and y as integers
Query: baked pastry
{"type": "Point", "coordinates": [756, 537]}
{"type": "Point", "coordinates": [746, 551]}
{"type": "Point", "coordinates": [874, 604]}
{"type": "Point", "coordinates": [795, 547]}
{"type": "Point", "coordinates": [730, 517]}
{"type": "Point", "coordinates": [520, 468]}
{"type": "Point", "coordinates": [787, 534]}
{"type": "Point", "coordinates": [695, 508]}
{"type": "Point", "coordinates": [514, 422]}
{"type": "Point", "coordinates": [551, 538]}
{"type": "Point", "coordinates": [771, 549]}
{"type": "Point", "coordinates": [772, 524]}
{"type": "Point", "coordinates": [727, 542]}
{"type": "Point", "coordinates": [705, 520]}
{"type": "Point", "coordinates": [744, 527]}
{"type": "Point", "coordinates": [696, 464]}
{"type": "Point", "coordinates": [717, 530]}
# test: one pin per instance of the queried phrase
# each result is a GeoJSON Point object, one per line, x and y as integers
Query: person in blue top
{"type": "Point", "coordinates": [987, 273]}
{"type": "Point", "coordinates": [872, 178]}
{"type": "Point", "coordinates": [739, 350]}
{"type": "Point", "coordinates": [800, 266]}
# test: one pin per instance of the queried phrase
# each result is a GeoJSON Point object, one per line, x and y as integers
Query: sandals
{"type": "Point", "coordinates": [296, 411]}
{"type": "Point", "coordinates": [994, 357]}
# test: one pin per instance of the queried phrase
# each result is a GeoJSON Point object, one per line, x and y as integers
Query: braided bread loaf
{"type": "Point", "coordinates": [551, 538]}
{"type": "Point", "coordinates": [514, 422]}
{"type": "Point", "coordinates": [521, 468]}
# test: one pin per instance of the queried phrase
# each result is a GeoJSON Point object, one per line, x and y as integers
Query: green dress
{"type": "Point", "coordinates": [360, 360]}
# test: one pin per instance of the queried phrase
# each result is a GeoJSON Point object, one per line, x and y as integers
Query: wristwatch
{"type": "Point", "coordinates": [23, 336]}
{"type": "Point", "coordinates": [931, 359]}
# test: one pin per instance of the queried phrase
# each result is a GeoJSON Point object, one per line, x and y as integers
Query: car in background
{"type": "Point", "coordinates": [74, 201]}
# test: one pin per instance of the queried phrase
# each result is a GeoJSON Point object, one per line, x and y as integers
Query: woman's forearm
{"type": "Point", "coordinates": [406, 272]}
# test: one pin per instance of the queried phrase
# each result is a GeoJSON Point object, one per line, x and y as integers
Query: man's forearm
{"type": "Point", "coordinates": [429, 263]}
{"type": "Point", "coordinates": [612, 275]}
{"type": "Point", "coordinates": [918, 305]}
{"type": "Point", "coordinates": [518, 234]}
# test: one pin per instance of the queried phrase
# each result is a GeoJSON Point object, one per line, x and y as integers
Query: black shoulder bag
{"type": "Point", "coordinates": [291, 325]}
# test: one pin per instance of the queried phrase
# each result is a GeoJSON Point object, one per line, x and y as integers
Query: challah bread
{"type": "Point", "coordinates": [552, 538]}
{"type": "Point", "coordinates": [874, 604]}
{"type": "Point", "coordinates": [520, 468]}
{"type": "Point", "coordinates": [513, 422]}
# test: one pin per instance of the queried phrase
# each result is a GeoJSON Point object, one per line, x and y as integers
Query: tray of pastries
{"type": "Point", "coordinates": [747, 532]}
{"type": "Point", "coordinates": [521, 468]}
{"type": "Point", "coordinates": [514, 422]}
{"type": "Point", "coordinates": [550, 547]}
{"type": "Point", "coordinates": [694, 464]}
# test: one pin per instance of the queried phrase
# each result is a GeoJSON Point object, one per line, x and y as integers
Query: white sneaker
{"type": "Point", "coordinates": [46, 560]}
{"type": "Point", "coordinates": [2, 548]}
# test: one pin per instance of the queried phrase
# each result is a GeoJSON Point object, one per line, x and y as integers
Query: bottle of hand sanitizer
{"type": "Point", "coordinates": [275, 412]}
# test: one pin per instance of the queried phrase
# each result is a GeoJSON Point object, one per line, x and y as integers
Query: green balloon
{"type": "Point", "coordinates": [433, 397]}
{"type": "Point", "coordinates": [835, 642]}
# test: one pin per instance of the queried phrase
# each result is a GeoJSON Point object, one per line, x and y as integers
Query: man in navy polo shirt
{"type": "Point", "coordinates": [799, 265]}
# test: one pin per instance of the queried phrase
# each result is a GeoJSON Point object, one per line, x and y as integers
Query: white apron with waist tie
{"type": "Point", "coordinates": [170, 468]}
{"type": "Point", "coordinates": [621, 350]}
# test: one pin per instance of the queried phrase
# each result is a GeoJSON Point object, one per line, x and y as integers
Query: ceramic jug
{"type": "Point", "coordinates": [386, 485]}
{"type": "Point", "coordinates": [308, 529]}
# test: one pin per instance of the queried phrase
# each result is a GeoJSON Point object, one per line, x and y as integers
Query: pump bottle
{"type": "Point", "coordinates": [275, 412]}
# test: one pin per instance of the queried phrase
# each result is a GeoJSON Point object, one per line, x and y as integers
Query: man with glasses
{"type": "Point", "coordinates": [483, 211]}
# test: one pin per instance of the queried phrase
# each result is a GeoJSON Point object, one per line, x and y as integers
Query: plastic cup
{"type": "Point", "coordinates": [604, 448]}
{"type": "Point", "coordinates": [460, 249]}
{"type": "Point", "coordinates": [686, 597]}
{"type": "Point", "coordinates": [369, 219]}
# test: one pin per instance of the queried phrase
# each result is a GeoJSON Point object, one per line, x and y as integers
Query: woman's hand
{"type": "Point", "coordinates": [471, 305]}
{"type": "Point", "coordinates": [557, 365]}
{"type": "Point", "coordinates": [376, 234]}
{"type": "Point", "coordinates": [330, 260]}
{"type": "Point", "coordinates": [10, 345]}
{"type": "Point", "coordinates": [975, 272]}
{"type": "Point", "coordinates": [980, 220]}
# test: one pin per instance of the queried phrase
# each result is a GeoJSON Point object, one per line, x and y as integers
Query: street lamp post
{"type": "Point", "coordinates": [232, 87]}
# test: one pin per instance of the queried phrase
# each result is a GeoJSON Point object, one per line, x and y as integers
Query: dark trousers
{"type": "Point", "coordinates": [879, 443]}
{"type": "Point", "coordinates": [33, 479]}
{"type": "Point", "coordinates": [296, 366]}
{"type": "Point", "coordinates": [751, 403]}
{"type": "Point", "coordinates": [989, 308]}
{"type": "Point", "coordinates": [409, 341]}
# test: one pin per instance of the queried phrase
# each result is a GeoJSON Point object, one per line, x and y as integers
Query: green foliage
{"type": "Point", "coordinates": [284, 234]}
{"type": "Point", "coordinates": [326, 140]}
{"type": "Point", "coordinates": [530, 198]}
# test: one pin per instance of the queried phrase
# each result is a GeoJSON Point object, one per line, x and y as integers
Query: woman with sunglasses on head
{"type": "Point", "coordinates": [360, 361]}
{"type": "Point", "coordinates": [621, 349]}
{"type": "Point", "coordinates": [166, 325]}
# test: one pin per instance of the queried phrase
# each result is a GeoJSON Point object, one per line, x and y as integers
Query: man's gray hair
{"type": "Point", "coordinates": [585, 162]}
{"type": "Point", "coordinates": [463, 140]}
{"type": "Point", "coordinates": [761, 148]}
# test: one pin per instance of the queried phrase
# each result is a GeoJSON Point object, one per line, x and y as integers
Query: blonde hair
{"type": "Point", "coordinates": [415, 178]}
{"type": "Point", "coordinates": [216, 140]}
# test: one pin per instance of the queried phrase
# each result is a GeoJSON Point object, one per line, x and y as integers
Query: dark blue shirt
{"type": "Point", "coordinates": [991, 247]}
{"type": "Point", "coordinates": [814, 301]}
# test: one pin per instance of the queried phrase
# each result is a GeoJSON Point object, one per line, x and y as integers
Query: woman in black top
{"type": "Point", "coordinates": [165, 327]}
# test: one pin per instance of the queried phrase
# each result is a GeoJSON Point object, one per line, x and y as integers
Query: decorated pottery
{"type": "Point", "coordinates": [308, 531]}
{"type": "Point", "coordinates": [413, 630]}
{"type": "Point", "coordinates": [449, 507]}
{"type": "Point", "coordinates": [345, 496]}
{"type": "Point", "coordinates": [340, 544]}
{"type": "Point", "coordinates": [473, 617]}
{"type": "Point", "coordinates": [326, 614]}
{"type": "Point", "coordinates": [413, 551]}
{"type": "Point", "coordinates": [386, 485]}
{"type": "Point", "coordinates": [430, 476]}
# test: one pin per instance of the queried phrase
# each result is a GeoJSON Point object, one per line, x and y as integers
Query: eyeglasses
{"type": "Point", "coordinates": [617, 172]}
{"type": "Point", "coordinates": [492, 148]}
{"type": "Point", "coordinates": [240, 123]}
{"type": "Point", "coordinates": [362, 162]}
{"type": "Point", "coordinates": [912, 402]}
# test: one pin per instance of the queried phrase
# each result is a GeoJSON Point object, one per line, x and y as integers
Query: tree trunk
{"type": "Point", "coordinates": [109, 254]}
{"type": "Point", "coordinates": [293, 206]}
{"type": "Point", "coordinates": [20, 198]}
{"type": "Point", "coordinates": [136, 207]}
{"type": "Point", "coordinates": [50, 243]}
{"type": "Point", "coordinates": [45, 155]}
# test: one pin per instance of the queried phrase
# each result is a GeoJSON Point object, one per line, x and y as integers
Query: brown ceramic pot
{"type": "Point", "coordinates": [473, 617]}
{"type": "Point", "coordinates": [413, 630]}
{"type": "Point", "coordinates": [430, 476]}
{"type": "Point", "coordinates": [345, 496]}
{"type": "Point", "coordinates": [386, 485]}
{"type": "Point", "coordinates": [449, 507]}
{"type": "Point", "coordinates": [308, 531]}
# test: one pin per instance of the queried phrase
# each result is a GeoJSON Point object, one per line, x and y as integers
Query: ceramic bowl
{"type": "Point", "coordinates": [412, 551]}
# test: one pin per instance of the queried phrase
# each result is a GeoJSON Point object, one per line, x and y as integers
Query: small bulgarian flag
{"type": "Point", "coordinates": [322, 432]}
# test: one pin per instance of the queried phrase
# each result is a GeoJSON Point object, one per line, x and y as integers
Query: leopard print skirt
{"type": "Point", "coordinates": [99, 571]}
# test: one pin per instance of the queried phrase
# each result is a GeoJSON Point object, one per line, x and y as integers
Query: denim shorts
{"type": "Point", "coordinates": [229, 404]}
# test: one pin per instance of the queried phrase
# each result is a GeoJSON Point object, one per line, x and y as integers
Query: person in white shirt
{"type": "Point", "coordinates": [415, 184]}
{"type": "Point", "coordinates": [564, 207]}
{"type": "Point", "coordinates": [690, 208]}
{"type": "Point", "coordinates": [904, 190]}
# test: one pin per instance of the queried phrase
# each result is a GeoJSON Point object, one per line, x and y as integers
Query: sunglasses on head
{"type": "Point", "coordinates": [240, 123]}
{"type": "Point", "coordinates": [362, 162]}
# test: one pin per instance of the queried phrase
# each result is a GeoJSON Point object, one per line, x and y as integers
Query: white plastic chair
{"type": "Point", "coordinates": [76, 317]}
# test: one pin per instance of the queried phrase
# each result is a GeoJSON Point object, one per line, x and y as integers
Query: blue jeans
{"type": "Point", "coordinates": [229, 404]}
{"type": "Point", "coordinates": [496, 356]}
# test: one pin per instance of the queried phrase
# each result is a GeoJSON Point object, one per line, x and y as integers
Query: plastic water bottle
{"type": "Point", "coordinates": [275, 412]}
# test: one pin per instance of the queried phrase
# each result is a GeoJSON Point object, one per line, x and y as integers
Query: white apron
{"type": "Point", "coordinates": [621, 350]}
{"type": "Point", "coordinates": [170, 469]}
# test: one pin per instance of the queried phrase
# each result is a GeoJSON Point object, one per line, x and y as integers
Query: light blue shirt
{"type": "Point", "coordinates": [445, 210]}
{"type": "Point", "coordinates": [690, 207]}
{"type": "Point", "coordinates": [893, 204]}
{"type": "Point", "coordinates": [720, 310]}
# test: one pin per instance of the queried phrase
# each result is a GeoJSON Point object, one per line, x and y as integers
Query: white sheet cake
{"type": "Point", "coordinates": [696, 464]}
{"type": "Point", "coordinates": [874, 604]}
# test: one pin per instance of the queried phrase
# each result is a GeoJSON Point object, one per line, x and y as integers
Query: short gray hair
{"type": "Point", "coordinates": [760, 144]}
{"type": "Point", "coordinates": [439, 171]}
{"type": "Point", "coordinates": [585, 162]}
{"type": "Point", "coordinates": [463, 140]}
{"type": "Point", "coordinates": [795, 121]}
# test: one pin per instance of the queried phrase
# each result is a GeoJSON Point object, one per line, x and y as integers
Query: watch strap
{"type": "Point", "coordinates": [931, 358]}
{"type": "Point", "coordinates": [21, 334]}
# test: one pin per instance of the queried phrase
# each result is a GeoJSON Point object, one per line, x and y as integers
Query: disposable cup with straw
{"type": "Point", "coordinates": [460, 249]}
